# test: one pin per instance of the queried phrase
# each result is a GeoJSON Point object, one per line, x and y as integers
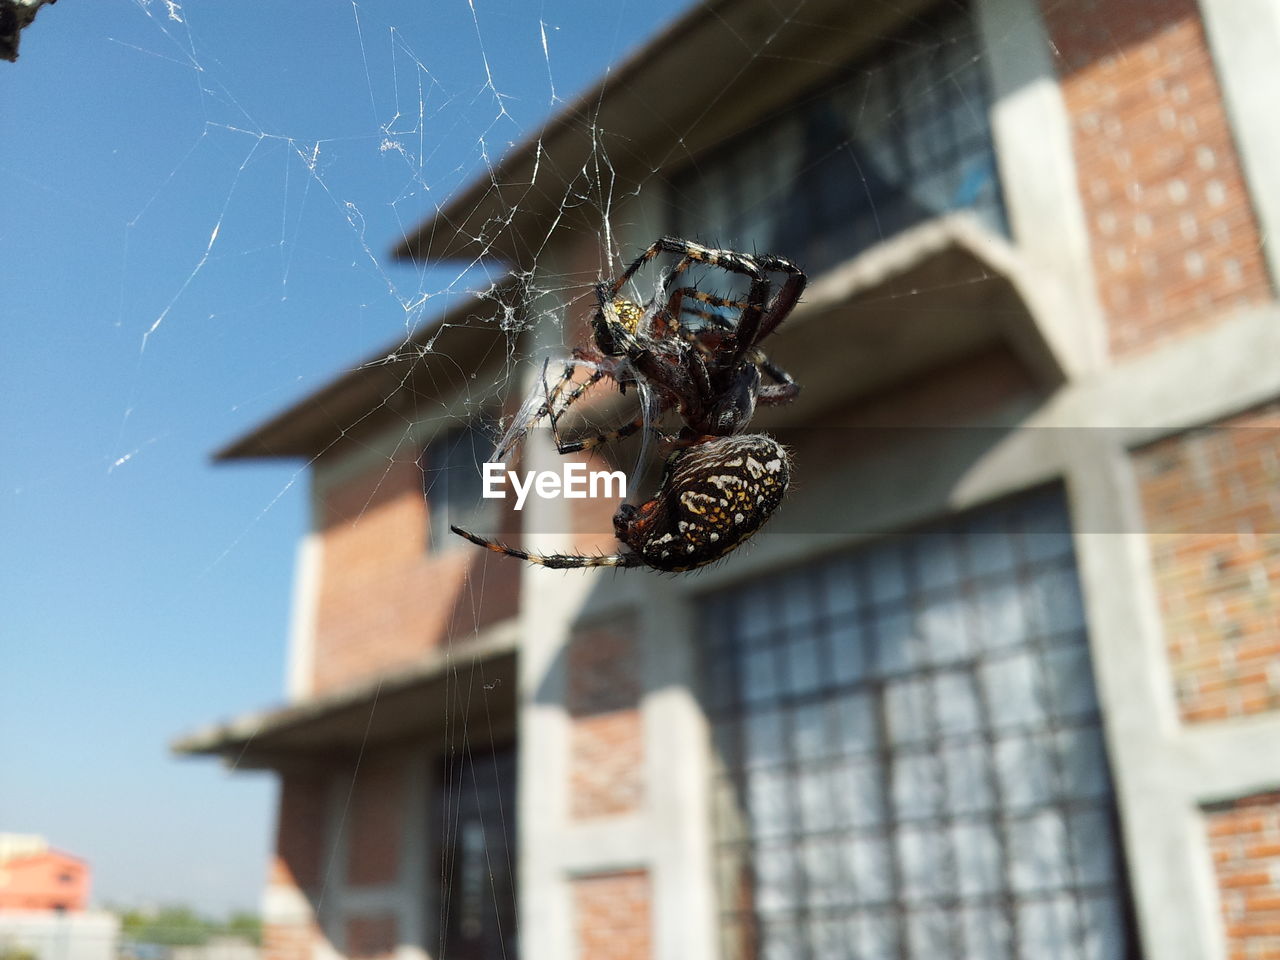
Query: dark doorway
{"type": "Point", "coordinates": [478, 854]}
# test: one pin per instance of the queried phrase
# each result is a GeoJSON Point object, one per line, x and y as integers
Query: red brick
{"type": "Point", "coordinates": [300, 832]}
{"type": "Point", "coordinates": [1247, 872]}
{"type": "Point", "coordinates": [613, 916]}
{"type": "Point", "coordinates": [288, 941]}
{"type": "Point", "coordinates": [385, 599]}
{"type": "Point", "coordinates": [376, 824]}
{"type": "Point", "coordinates": [371, 936]}
{"type": "Point", "coordinates": [1125, 65]}
{"type": "Point", "coordinates": [606, 747]}
{"type": "Point", "coordinates": [1217, 584]}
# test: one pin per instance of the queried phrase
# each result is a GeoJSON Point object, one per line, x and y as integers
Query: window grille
{"type": "Point", "coordinates": [901, 137]}
{"type": "Point", "coordinates": [910, 762]}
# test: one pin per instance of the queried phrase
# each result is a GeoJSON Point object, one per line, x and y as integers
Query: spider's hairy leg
{"type": "Point", "coordinates": [555, 561]}
{"type": "Point", "coordinates": [787, 297]}
{"type": "Point", "coordinates": [784, 387]}
{"type": "Point", "coordinates": [676, 308]}
{"type": "Point", "coordinates": [690, 251]}
{"type": "Point", "coordinates": [589, 443]}
{"type": "Point", "coordinates": [750, 321]}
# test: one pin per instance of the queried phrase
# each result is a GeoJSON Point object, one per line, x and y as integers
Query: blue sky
{"type": "Point", "coordinates": [199, 204]}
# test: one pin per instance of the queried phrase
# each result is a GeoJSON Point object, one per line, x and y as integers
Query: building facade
{"type": "Point", "coordinates": [35, 877]}
{"type": "Point", "coordinates": [1003, 677]}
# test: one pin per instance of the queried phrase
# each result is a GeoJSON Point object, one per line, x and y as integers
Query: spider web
{"type": "Point", "coordinates": [241, 263]}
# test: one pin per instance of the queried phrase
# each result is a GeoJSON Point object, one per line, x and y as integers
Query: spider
{"type": "Point", "coordinates": [720, 485]}
{"type": "Point", "coordinates": [709, 374]}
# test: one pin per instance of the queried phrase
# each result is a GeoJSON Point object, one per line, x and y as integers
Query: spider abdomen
{"type": "Point", "coordinates": [714, 495]}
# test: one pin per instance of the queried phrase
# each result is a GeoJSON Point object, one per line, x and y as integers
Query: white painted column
{"type": "Point", "coordinates": [548, 606]}
{"type": "Point", "coordinates": [1244, 38]}
{"type": "Point", "coordinates": [1170, 871]}
{"type": "Point", "coordinates": [677, 780]}
{"type": "Point", "coordinates": [301, 657]}
{"type": "Point", "coordinates": [1032, 134]}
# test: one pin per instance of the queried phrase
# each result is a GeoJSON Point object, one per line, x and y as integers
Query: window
{"type": "Point", "coordinates": [452, 481]}
{"type": "Point", "coordinates": [478, 806]}
{"type": "Point", "coordinates": [902, 137]}
{"type": "Point", "coordinates": [910, 757]}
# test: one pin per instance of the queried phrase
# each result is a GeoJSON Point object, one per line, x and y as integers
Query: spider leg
{"type": "Point", "coordinates": [676, 307]}
{"type": "Point", "coordinates": [588, 443]}
{"type": "Point", "coordinates": [551, 397]}
{"type": "Point", "coordinates": [556, 561]}
{"type": "Point", "coordinates": [787, 297]}
{"type": "Point", "coordinates": [750, 322]}
{"type": "Point", "coordinates": [752, 319]}
{"type": "Point", "coordinates": [691, 252]}
{"type": "Point", "coordinates": [784, 388]}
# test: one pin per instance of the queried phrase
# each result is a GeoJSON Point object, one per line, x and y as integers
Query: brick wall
{"type": "Point", "coordinates": [288, 941]}
{"type": "Point", "coordinates": [299, 862]}
{"type": "Point", "coordinates": [385, 599]}
{"type": "Point", "coordinates": [606, 752]}
{"type": "Point", "coordinates": [1244, 837]}
{"type": "Point", "coordinates": [1211, 500]}
{"type": "Point", "coordinates": [371, 936]}
{"type": "Point", "coordinates": [1171, 226]}
{"type": "Point", "coordinates": [613, 916]}
{"type": "Point", "coordinates": [300, 832]}
{"type": "Point", "coordinates": [376, 820]}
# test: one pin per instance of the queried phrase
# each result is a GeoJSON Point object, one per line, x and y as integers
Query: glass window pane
{"type": "Point", "coordinates": [943, 627]}
{"type": "Point", "coordinates": [1047, 929]}
{"type": "Point", "coordinates": [769, 803]}
{"type": "Point", "coordinates": [921, 853]}
{"type": "Point", "coordinates": [1024, 766]}
{"type": "Point", "coordinates": [848, 652]}
{"type": "Point", "coordinates": [907, 709]}
{"type": "Point", "coordinates": [917, 786]}
{"type": "Point", "coordinates": [874, 936]}
{"type": "Point", "coordinates": [955, 701]}
{"type": "Point", "coordinates": [857, 722]}
{"type": "Point", "coordinates": [804, 672]}
{"type": "Point", "coordinates": [1038, 859]}
{"type": "Point", "coordinates": [1001, 618]}
{"type": "Point", "coordinates": [977, 852]}
{"type": "Point", "coordinates": [894, 641]}
{"type": "Point", "coordinates": [1069, 677]}
{"type": "Point", "coordinates": [763, 742]}
{"type": "Point", "coordinates": [869, 868]}
{"type": "Point", "coordinates": [1013, 691]}
{"type": "Point", "coordinates": [954, 801]}
{"type": "Point", "coordinates": [1082, 762]}
{"type": "Point", "coordinates": [986, 933]}
{"type": "Point", "coordinates": [929, 933]}
{"type": "Point", "coordinates": [857, 794]}
{"type": "Point", "coordinates": [969, 783]}
{"type": "Point", "coordinates": [760, 675]}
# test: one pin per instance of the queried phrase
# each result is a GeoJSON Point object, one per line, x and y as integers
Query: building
{"type": "Point", "coordinates": [1002, 678]}
{"type": "Point", "coordinates": [44, 904]}
{"type": "Point", "coordinates": [33, 876]}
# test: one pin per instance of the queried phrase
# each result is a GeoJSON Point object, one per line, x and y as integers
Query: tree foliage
{"type": "Point", "coordinates": [178, 925]}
